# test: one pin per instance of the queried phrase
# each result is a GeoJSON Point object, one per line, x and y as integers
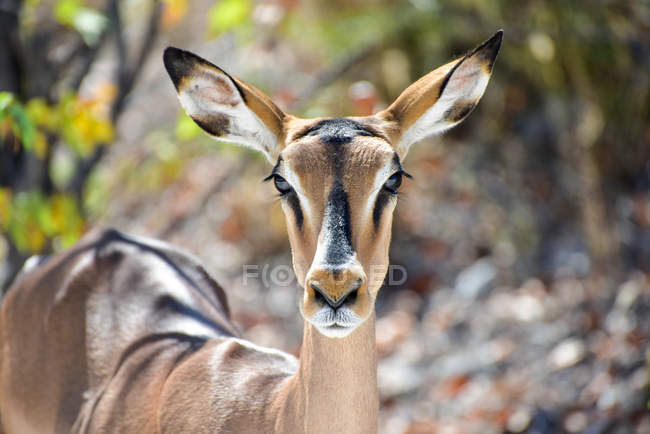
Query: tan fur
{"type": "Point", "coordinates": [419, 96]}
{"type": "Point", "coordinates": [264, 108]}
{"type": "Point", "coordinates": [130, 335]}
{"type": "Point", "coordinates": [311, 162]}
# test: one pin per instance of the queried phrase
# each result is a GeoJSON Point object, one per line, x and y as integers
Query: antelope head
{"type": "Point", "coordinates": [338, 178]}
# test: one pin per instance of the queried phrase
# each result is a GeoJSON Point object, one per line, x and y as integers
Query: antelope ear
{"type": "Point", "coordinates": [224, 106]}
{"type": "Point", "coordinates": [442, 98]}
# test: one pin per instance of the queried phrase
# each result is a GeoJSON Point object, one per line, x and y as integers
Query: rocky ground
{"type": "Point", "coordinates": [567, 356]}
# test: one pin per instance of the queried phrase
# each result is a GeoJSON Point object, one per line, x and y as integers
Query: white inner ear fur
{"type": "Point", "coordinates": [209, 95]}
{"type": "Point", "coordinates": [467, 83]}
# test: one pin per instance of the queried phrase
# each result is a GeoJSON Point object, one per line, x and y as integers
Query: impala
{"type": "Point", "coordinates": [122, 334]}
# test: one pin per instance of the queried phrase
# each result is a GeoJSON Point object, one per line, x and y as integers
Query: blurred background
{"type": "Point", "coordinates": [525, 232]}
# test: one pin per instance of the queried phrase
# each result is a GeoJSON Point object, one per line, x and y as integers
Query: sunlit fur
{"type": "Point", "coordinates": [363, 165]}
{"type": "Point", "coordinates": [339, 215]}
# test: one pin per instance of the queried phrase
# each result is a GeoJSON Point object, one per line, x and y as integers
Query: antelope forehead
{"type": "Point", "coordinates": [338, 131]}
{"type": "Point", "coordinates": [362, 156]}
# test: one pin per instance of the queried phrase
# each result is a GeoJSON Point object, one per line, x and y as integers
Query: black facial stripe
{"type": "Point", "coordinates": [380, 203]}
{"type": "Point", "coordinates": [338, 131]}
{"type": "Point", "coordinates": [294, 203]}
{"type": "Point", "coordinates": [337, 224]}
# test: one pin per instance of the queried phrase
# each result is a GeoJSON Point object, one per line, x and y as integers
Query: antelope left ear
{"type": "Point", "coordinates": [442, 98]}
{"type": "Point", "coordinates": [225, 107]}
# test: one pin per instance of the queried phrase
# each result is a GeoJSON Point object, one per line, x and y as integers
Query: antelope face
{"type": "Point", "coordinates": [338, 178]}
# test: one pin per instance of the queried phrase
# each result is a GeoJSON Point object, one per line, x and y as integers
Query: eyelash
{"type": "Point", "coordinates": [277, 179]}
{"type": "Point", "coordinates": [400, 174]}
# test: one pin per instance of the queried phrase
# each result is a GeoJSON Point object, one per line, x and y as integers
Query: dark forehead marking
{"type": "Point", "coordinates": [338, 131]}
{"type": "Point", "coordinates": [337, 222]}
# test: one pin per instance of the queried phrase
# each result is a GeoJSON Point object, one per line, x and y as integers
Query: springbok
{"type": "Point", "coordinates": [122, 334]}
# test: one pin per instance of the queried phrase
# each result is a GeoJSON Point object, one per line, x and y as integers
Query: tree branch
{"type": "Point", "coordinates": [126, 78]}
{"type": "Point", "coordinates": [128, 75]}
{"type": "Point", "coordinates": [10, 67]}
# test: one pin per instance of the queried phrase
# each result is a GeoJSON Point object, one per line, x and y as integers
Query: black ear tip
{"type": "Point", "coordinates": [489, 49]}
{"type": "Point", "coordinates": [497, 38]}
{"type": "Point", "coordinates": [178, 63]}
{"type": "Point", "coordinates": [173, 56]}
{"type": "Point", "coordinates": [494, 43]}
{"type": "Point", "coordinates": [169, 54]}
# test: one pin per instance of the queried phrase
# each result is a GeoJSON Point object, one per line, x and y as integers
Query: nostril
{"type": "Point", "coordinates": [350, 297]}
{"type": "Point", "coordinates": [320, 296]}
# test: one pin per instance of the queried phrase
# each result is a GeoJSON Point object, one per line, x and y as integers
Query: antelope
{"type": "Point", "coordinates": [125, 334]}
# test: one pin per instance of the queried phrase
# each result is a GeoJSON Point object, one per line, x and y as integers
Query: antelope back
{"type": "Point", "coordinates": [70, 324]}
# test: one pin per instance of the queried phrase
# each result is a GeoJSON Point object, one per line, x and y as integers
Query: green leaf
{"type": "Point", "coordinates": [6, 98]}
{"type": "Point", "coordinates": [26, 130]}
{"type": "Point", "coordinates": [89, 22]}
{"type": "Point", "coordinates": [228, 14]}
{"type": "Point", "coordinates": [39, 112]}
{"type": "Point", "coordinates": [5, 207]}
{"type": "Point", "coordinates": [62, 167]}
{"type": "Point", "coordinates": [35, 220]}
{"type": "Point", "coordinates": [65, 11]}
{"type": "Point", "coordinates": [186, 128]}
{"type": "Point", "coordinates": [28, 211]}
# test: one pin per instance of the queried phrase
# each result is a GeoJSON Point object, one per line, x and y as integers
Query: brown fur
{"type": "Point", "coordinates": [419, 96]}
{"type": "Point", "coordinates": [124, 335]}
{"type": "Point", "coordinates": [312, 163]}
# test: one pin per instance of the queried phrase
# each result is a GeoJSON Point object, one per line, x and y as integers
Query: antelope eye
{"type": "Point", "coordinates": [281, 185]}
{"type": "Point", "coordinates": [393, 183]}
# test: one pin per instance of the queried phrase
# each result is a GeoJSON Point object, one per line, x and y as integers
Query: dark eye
{"type": "Point", "coordinates": [281, 184]}
{"type": "Point", "coordinates": [393, 183]}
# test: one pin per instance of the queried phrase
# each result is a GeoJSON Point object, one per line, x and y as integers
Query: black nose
{"type": "Point", "coordinates": [323, 297]}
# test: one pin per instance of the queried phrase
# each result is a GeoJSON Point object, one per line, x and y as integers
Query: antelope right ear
{"type": "Point", "coordinates": [225, 107]}
{"type": "Point", "coordinates": [442, 98]}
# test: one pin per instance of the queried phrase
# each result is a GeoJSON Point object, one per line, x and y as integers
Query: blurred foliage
{"type": "Point", "coordinates": [174, 12]}
{"type": "Point", "coordinates": [35, 218]}
{"type": "Point", "coordinates": [48, 133]}
{"type": "Point", "coordinates": [228, 14]}
{"type": "Point", "coordinates": [87, 21]}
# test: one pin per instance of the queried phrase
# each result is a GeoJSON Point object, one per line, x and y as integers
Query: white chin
{"type": "Point", "coordinates": [335, 324]}
{"type": "Point", "coordinates": [335, 331]}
